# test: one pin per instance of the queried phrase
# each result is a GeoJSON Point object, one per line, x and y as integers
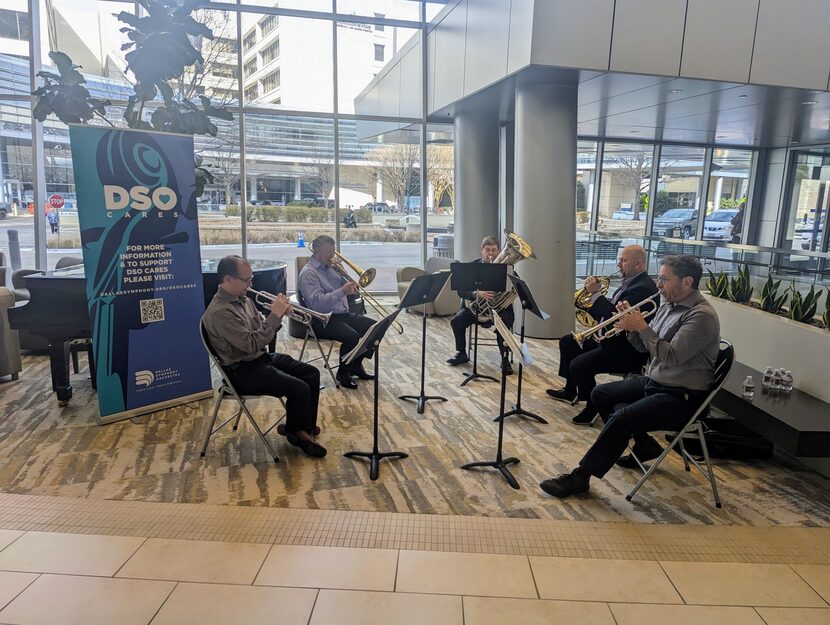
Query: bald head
{"type": "Point", "coordinates": [632, 261]}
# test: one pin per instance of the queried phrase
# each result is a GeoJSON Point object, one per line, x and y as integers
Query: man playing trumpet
{"type": "Point", "coordinates": [579, 365]}
{"type": "Point", "coordinates": [322, 289]}
{"type": "Point", "coordinates": [240, 336]}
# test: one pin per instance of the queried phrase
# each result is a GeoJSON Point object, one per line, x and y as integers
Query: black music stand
{"type": "Point", "coordinates": [501, 463]}
{"type": "Point", "coordinates": [528, 303]}
{"type": "Point", "coordinates": [371, 340]}
{"type": "Point", "coordinates": [423, 290]}
{"type": "Point", "coordinates": [478, 277]}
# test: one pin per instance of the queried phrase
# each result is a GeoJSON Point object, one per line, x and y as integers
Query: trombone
{"type": "Point", "coordinates": [598, 331]}
{"type": "Point", "coordinates": [300, 314]}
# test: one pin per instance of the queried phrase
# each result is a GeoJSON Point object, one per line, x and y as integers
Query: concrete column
{"type": "Point", "coordinates": [545, 192]}
{"type": "Point", "coordinates": [718, 191]}
{"type": "Point", "coordinates": [252, 188]}
{"type": "Point", "coordinates": [476, 182]}
{"type": "Point", "coordinates": [298, 189]}
{"type": "Point", "coordinates": [379, 189]}
{"type": "Point", "coordinates": [507, 142]}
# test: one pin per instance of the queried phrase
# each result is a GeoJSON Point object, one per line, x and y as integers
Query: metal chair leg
{"type": "Point", "coordinates": [709, 471]}
{"type": "Point", "coordinates": [259, 432]}
{"type": "Point", "coordinates": [212, 421]}
{"type": "Point", "coordinates": [684, 453]}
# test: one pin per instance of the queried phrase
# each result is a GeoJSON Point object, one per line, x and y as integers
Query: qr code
{"type": "Point", "coordinates": [152, 310]}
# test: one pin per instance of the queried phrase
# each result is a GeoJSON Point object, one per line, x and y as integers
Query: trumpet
{"type": "Point", "coordinates": [299, 314]}
{"type": "Point", "coordinates": [598, 331]}
{"type": "Point", "coordinates": [582, 302]}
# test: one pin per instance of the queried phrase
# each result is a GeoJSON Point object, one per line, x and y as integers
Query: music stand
{"type": "Point", "coordinates": [475, 277]}
{"type": "Point", "coordinates": [502, 463]}
{"type": "Point", "coordinates": [528, 303]}
{"type": "Point", "coordinates": [371, 340]}
{"type": "Point", "coordinates": [423, 290]}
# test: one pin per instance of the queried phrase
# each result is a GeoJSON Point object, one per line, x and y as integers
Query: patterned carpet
{"type": "Point", "coordinates": [48, 450]}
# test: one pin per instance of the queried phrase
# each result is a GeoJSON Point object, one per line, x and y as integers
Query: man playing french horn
{"type": "Point", "coordinates": [464, 318]}
{"type": "Point", "coordinates": [323, 289]}
{"type": "Point", "coordinates": [579, 364]}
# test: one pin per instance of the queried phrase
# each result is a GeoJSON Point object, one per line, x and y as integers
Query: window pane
{"type": "Point", "coordinates": [434, 8]}
{"type": "Point", "coordinates": [290, 66]}
{"type": "Point", "coordinates": [378, 72]}
{"type": "Point", "coordinates": [391, 9]}
{"type": "Point", "coordinates": [809, 202]}
{"type": "Point", "coordinates": [380, 164]}
{"type": "Point", "coordinates": [676, 202]}
{"type": "Point", "coordinates": [586, 168]}
{"type": "Point", "coordinates": [289, 166]}
{"type": "Point", "coordinates": [14, 47]}
{"type": "Point", "coordinates": [323, 6]}
{"type": "Point", "coordinates": [16, 179]}
{"type": "Point", "coordinates": [626, 175]}
{"type": "Point", "coordinates": [726, 201]}
{"type": "Point", "coordinates": [441, 191]}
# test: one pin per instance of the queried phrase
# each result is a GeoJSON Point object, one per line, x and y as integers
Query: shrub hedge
{"type": "Point", "coordinates": [295, 212]}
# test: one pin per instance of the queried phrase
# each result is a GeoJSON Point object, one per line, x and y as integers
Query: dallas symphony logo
{"type": "Point", "coordinates": [144, 378]}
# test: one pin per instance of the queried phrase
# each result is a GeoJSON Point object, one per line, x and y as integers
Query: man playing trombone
{"type": "Point", "coordinates": [240, 336]}
{"type": "Point", "coordinates": [579, 364]}
{"type": "Point", "coordinates": [323, 289]}
{"type": "Point", "coordinates": [683, 344]}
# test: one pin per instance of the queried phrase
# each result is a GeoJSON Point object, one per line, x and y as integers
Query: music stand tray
{"type": "Point", "coordinates": [423, 290]}
{"type": "Point", "coordinates": [371, 340]}
{"type": "Point", "coordinates": [478, 276]}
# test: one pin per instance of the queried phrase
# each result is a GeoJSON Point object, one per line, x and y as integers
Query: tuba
{"type": "Point", "coordinates": [582, 302]}
{"type": "Point", "coordinates": [515, 250]}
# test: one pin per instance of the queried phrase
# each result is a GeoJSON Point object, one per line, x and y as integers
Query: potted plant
{"type": "Point", "coordinates": [771, 302]}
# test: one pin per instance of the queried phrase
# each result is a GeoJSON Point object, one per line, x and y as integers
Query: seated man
{"type": "Point", "coordinates": [578, 365]}
{"type": "Point", "coordinates": [322, 289]}
{"type": "Point", "coordinates": [464, 318]}
{"type": "Point", "coordinates": [683, 344]}
{"type": "Point", "coordinates": [239, 336]}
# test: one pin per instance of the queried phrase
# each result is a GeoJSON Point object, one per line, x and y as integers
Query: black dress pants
{"type": "Point", "coordinates": [580, 365]}
{"type": "Point", "coordinates": [464, 318]}
{"type": "Point", "coordinates": [347, 329]}
{"type": "Point", "coordinates": [631, 408]}
{"type": "Point", "coordinates": [280, 375]}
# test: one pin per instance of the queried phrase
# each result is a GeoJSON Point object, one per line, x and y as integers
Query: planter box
{"type": "Point", "coordinates": [762, 339]}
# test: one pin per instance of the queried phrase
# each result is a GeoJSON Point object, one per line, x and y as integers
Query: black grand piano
{"type": "Point", "coordinates": [57, 311]}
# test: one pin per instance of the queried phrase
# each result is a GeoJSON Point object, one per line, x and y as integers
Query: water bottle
{"type": "Point", "coordinates": [787, 382]}
{"type": "Point", "coordinates": [749, 388]}
{"type": "Point", "coordinates": [767, 382]}
{"type": "Point", "coordinates": [775, 386]}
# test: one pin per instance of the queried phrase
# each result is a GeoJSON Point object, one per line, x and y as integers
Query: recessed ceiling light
{"type": "Point", "coordinates": [721, 136]}
{"type": "Point", "coordinates": [809, 102]}
{"type": "Point", "coordinates": [743, 96]}
{"type": "Point", "coordinates": [794, 142]}
{"type": "Point", "coordinates": [673, 91]}
{"type": "Point", "coordinates": [633, 132]}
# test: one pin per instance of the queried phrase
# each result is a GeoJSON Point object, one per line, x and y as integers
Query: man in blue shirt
{"type": "Point", "coordinates": [324, 290]}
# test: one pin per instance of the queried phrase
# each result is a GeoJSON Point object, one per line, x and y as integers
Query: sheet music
{"type": "Point", "coordinates": [519, 350]}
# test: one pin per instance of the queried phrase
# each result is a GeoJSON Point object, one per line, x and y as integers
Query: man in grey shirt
{"type": "Point", "coordinates": [682, 342]}
{"type": "Point", "coordinates": [239, 337]}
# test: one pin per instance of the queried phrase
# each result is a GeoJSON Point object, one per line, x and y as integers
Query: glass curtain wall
{"type": "Point", "coordinates": [809, 202]}
{"type": "Point", "coordinates": [726, 198]}
{"type": "Point", "coordinates": [626, 176]}
{"type": "Point", "coordinates": [676, 199]}
{"type": "Point", "coordinates": [586, 176]}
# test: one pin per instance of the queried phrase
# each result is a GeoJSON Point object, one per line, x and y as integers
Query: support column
{"type": "Point", "coordinates": [718, 191]}
{"type": "Point", "coordinates": [507, 144]}
{"type": "Point", "coordinates": [545, 204]}
{"type": "Point", "coordinates": [298, 189]}
{"type": "Point", "coordinates": [476, 182]}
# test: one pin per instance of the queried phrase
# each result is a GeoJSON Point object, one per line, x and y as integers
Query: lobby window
{"type": "Point", "coordinates": [271, 53]}
{"type": "Point", "coordinates": [250, 67]}
{"type": "Point", "coordinates": [586, 170]}
{"type": "Point", "coordinates": [378, 52]}
{"type": "Point", "coordinates": [267, 24]}
{"type": "Point", "coordinates": [676, 199]}
{"type": "Point", "coordinates": [726, 199]}
{"type": "Point", "coordinates": [809, 201]}
{"type": "Point", "coordinates": [249, 41]}
{"type": "Point", "coordinates": [271, 81]}
{"type": "Point", "coordinates": [626, 176]}
{"type": "Point", "coordinates": [14, 24]}
{"type": "Point", "coordinates": [251, 92]}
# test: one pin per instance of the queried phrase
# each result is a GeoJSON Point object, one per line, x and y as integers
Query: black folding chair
{"type": "Point", "coordinates": [726, 356]}
{"type": "Point", "coordinates": [325, 356]}
{"type": "Point", "coordinates": [227, 390]}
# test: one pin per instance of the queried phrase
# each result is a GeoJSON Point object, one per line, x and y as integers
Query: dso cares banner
{"type": "Point", "coordinates": [140, 239]}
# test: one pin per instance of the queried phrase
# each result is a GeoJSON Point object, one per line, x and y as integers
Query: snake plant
{"type": "Point", "coordinates": [826, 316]}
{"type": "Point", "coordinates": [718, 285]}
{"type": "Point", "coordinates": [803, 307]}
{"type": "Point", "coordinates": [740, 287]}
{"type": "Point", "coordinates": [770, 300]}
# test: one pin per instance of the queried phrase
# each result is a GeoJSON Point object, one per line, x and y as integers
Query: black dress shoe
{"type": "Point", "coordinates": [309, 446]}
{"type": "Point", "coordinates": [344, 379]}
{"type": "Point", "coordinates": [645, 451]}
{"type": "Point", "coordinates": [565, 485]}
{"type": "Point", "coordinates": [506, 369]}
{"type": "Point", "coordinates": [359, 372]}
{"type": "Point", "coordinates": [588, 415]}
{"type": "Point", "coordinates": [314, 432]}
{"type": "Point", "coordinates": [565, 394]}
{"type": "Point", "coordinates": [459, 359]}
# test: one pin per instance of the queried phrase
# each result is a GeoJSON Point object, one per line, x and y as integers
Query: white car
{"type": "Point", "coordinates": [718, 225]}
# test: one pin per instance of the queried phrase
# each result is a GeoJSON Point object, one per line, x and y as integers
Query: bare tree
{"type": "Point", "coordinates": [217, 76]}
{"type": "Point", "coordinates": [221, 155]}
{"type": "Point", "coordinates": [632, 170]}
{"type": "Point", "coordinates": [320, 173]}
{"type": "Point", "coordinates": [441, 173]}
{"type": "Point", "coordinates": [395, 165]}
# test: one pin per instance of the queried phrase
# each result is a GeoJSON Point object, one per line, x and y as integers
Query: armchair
{"type": "Point", "coordinates": [447, 302]}
{"type": "Point", "coordinates": [10, 361]}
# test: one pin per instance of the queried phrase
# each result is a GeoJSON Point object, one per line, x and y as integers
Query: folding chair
{"type": "Point", "coordinates": [324, 356]}
{"type": "Point", "coordinates": [726, 356]}
{"type": "Point", "coordinates": [227, 390]}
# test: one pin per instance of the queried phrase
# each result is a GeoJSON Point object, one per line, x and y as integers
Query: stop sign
{"type": "Point", "coordinates": [56, 201]}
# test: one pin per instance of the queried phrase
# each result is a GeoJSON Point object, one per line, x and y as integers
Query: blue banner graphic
{"type": "Point", "coordinates": [140, 240]}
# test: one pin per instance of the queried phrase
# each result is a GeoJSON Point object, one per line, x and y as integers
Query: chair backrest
{"type": "Point", "coordinates": [723, 364]}
{"type": "Point", "coordinates": [214, 358]}
{"type": "Point", "coordinates": [68, 261]}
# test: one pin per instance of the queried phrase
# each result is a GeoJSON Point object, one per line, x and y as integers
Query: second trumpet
{"type": "Point", "coordinates": [599, 333]}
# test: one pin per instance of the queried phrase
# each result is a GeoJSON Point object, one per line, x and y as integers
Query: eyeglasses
{"type": "Point", "coordinates": [248, 280]}
{"type": "Point", "coordinates": [665, 278]}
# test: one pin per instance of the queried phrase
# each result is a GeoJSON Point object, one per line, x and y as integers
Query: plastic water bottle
{"type": "Point", "coordinates": [787, 382]}
{"type": "Point", "coordinates": [749, 388]}
{"type": "Point", "coordinates": [767, 382]}
{"type": "Point", "coordinates": [777, 377]}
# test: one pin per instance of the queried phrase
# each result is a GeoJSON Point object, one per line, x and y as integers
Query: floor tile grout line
{"type": "Point", "coordinates": [262, 564]}
{"type": "Point", "coordinates": [22, 534]}
{"type": "Point", "coordinates": [671, 581]}
{"type": "Point", "coordinates": [809, 585]}
{"type": "Point", "coordinates": [313, 606]}
{"type": "Point", "coordinates": [3, 606]}
{"type": "Point", "coordinates": [760, 616]}
{"type": "Point", "coordinates": [169, 594]}
{"type": "Point", "coordinates": [611, 612]}
{"type": "Point", "coordinates": [533, 577]}
{"type": "Point", "coordinates": [463, 611]}
{"type": "Point", "coordinates": [130, 557]}
{"type": "Point", "coordinates": [397, 567]}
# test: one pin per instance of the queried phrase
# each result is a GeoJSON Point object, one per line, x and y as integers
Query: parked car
{"type": "Point", "coordinates": [718, 225]}
{"type": "Point", "coordinates": [680, 219]}
{"type": "Point", "coordinates": [625, 212]}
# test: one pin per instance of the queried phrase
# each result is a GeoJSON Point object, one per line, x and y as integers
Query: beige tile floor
{"type": "Point", "coordinates": [163, 581]}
